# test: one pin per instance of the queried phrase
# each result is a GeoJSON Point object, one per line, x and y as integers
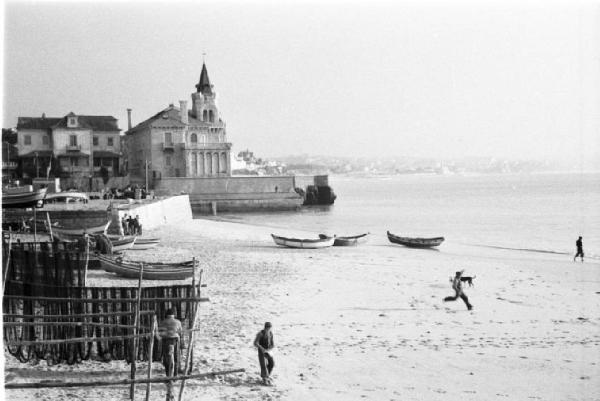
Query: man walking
{"type": "Point", "coordinates": [579, 245]}
{"type": "Point", "coordinates": [457, 287]}
{"type": "Point", "coordinates": [264, 343]}
{"type": "Point", "coordinates": [171, 333]}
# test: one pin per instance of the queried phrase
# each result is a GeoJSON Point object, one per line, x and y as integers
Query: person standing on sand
{"type": "Point", "coordinates": [264, 343]}
{"type": "Point", "coordinates": [171, 333]}
{"type": "Point", "coordinates": [457, 287]}
{"type": "Point", "coordinates": [579, 245]}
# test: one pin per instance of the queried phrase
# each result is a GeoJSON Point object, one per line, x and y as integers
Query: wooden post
{"type": "Point", "coordinates": [49, 226]}
{"type": "Point", "coordinates": [190, 350]}
{"type": "Point", "coordinates": [7, 261]}
{"type": "Point", "coordinates": [87, 257]}
{"type": "Point", "coordinates": [136, 323]}
{"type": "Point", "coordinates": [150, 355]}
{"type": "Point", "coordinates": [35, 226]}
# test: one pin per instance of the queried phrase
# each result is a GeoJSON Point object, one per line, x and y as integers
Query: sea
{"type": "Point", "coordinates": [540, 213]}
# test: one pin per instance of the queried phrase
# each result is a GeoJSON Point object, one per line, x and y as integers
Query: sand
{"type": "Point", "coordinates": [368, 322]}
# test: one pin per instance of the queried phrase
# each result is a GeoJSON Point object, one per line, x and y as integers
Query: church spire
{"type": "Point", "coordinates": [204, 85]}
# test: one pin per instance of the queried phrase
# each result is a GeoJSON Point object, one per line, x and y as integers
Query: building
{"type": "Point", "coordinates": [70, 146]}
{"type": "Point", "coordinates": [181, 142]}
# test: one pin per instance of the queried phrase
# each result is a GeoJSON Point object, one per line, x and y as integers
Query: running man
{"type": "Point", "coordinates": [457, 287]}
{"type": "Point", "coordinates": [264, 343]}
{"type": "Point", "coordinates": [579, 245]}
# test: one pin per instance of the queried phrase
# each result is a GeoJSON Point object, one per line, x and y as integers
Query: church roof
{"type": "Point", "coordinates": [204, 85]}
{"type": "Point", "coordinates": [171, 116]}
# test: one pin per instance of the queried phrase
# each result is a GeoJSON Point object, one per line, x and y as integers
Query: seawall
{"type": "Point", "coordinates": [234, 194]}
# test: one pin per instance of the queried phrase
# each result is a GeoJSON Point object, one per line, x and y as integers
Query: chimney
{"type": "Point", "coordinates": [184, 111]}
{"type": "Point", "coordinates": [128, 119]}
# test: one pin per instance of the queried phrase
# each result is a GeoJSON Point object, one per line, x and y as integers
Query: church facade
{"type": "Point", "coordinates": [181, 141]}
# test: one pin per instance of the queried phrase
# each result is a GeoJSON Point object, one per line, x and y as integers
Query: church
{"type": "Point", "coordinates": [180, 141]}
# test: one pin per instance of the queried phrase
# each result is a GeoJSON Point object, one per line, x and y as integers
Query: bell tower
{"type": "Point", "coordinates": [204, 105]}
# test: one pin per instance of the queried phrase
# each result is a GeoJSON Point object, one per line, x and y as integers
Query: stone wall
{"type": "Point", "coordinates": [224, 185]}
{"type": "Point", "coordinates": [156, 213]}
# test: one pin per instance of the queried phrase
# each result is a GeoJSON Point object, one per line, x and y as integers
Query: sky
{"type": "Point", "coordinates": [358, 79]}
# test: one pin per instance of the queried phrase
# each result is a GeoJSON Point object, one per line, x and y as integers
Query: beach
{"type": "Point", "coordinates": [368, 322]}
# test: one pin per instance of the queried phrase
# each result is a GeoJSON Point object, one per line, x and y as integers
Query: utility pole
{"type": "Point", "coordinates": [37, 166]}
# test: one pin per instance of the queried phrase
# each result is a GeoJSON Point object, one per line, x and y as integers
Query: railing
{"type": "Point", "coordinates": [207, 145]}
{"type": "Point", "coordinates": [73, 148]}
{"type": "Point", "coordinates": [9, 165]}
{"type": "Point", "coordinates": [168, 146]}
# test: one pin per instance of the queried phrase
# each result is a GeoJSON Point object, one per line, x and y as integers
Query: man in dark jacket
{"type": "Point", "coordinates": [579, 245]}
{"type": "Point", "coordinates": [264, 343]}
{"type": "Point", "coordinates": [457, 287]}
{"type": "Point", "coordinates": [171, 333]}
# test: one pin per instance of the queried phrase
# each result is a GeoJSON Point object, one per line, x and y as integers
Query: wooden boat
{"type": "Point", "coordinates": [67, 197]}
{"type": "Point", "coordinates": [323, 242]}
{"type": "Point", "coordinates": [350, 241]}
{"type": "Point", "coordinates": [23, 197]}
{"type": "Point", "coordinates": [152, 271]}
{"type": "Point", "coordinates": [77, 232]}
{"type": "Point", "coordinates": [144, 243]}
{"type": "Point", "coordinates": [121, 244]}
{"type": "Point", "coordinates": [415, 242]}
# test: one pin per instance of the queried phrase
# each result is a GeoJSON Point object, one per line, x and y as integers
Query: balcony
{"type": "Point", "coordinates": [208, 145]}
{"type": "Point", "coordinates": [9, 165]}
{"type": "Point", "coordinates": [168, 146]}
{"type": "Point", "coordinates": [73, 148]}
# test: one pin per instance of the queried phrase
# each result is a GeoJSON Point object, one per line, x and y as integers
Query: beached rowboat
{"type": "Point", "coordinates": [121, 244]}
{"type": "Point", "coordinates": [322, 242]}
{"type": "Point", "coordinates": [77, 232]}
{"type": "Point", "coordinates": [415, 242]}
{"type": "Point", "coordinates": [152, 271]}
{"type": "Point", "coordinates": [144, 243]}
{"type": "Point", "coordinates": [23, 197]}
{"type": "Point", "coordinates": [350, 241]}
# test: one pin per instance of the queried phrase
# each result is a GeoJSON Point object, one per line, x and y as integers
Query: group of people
{"type": "Point", "coordinates": [171, 329]}
{"type": "Point", "coordinates": [131, 225]}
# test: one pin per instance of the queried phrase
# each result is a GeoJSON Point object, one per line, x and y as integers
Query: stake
{"type": "Point", "coordinates": [190, 350]}
{"type": "Point", "coordinates": [150, 352]}
{"type": "Point", "coordinates": [136, 323]}
{"type": "Point", "coordinates": [87, 256]}
{"type": "Point", "coordinates": [7, 261]}
{"type": "Point", "coordinates": [49, 226]}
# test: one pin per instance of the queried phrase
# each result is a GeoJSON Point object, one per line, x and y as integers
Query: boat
{"type": "Point", "coordinates": [323, 242]}
{"type": "Point", "coordinates": [67, 197]}
{"type": "Point", "coordinates": [121, 244]}
{"type": "Point", "coordinates": [350, 241]}
{"type": "Point", "coordinates": [23, 197]}
{"type": "Point", "coordinates": [415, 242]}
{"type": "Point", "coordinates": [77, 232]}
{"type": "Point", "coordinates": [144, 243]}
{"type": "Point", "coordinates": [152, 271]}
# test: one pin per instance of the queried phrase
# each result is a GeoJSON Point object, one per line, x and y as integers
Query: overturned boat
{"type": "Point", "coordinates": [323, 242]}
{"type": "Point", "coordinates": [142, 244]}
{"type": "Point", "coordinates": [120, 244]}
{"type": "Point", "coordinates": [62, 232]}
{"type": "Point", "coordinates": [415, 242]}
{"type": "Point", "coordinates": [152, 271]}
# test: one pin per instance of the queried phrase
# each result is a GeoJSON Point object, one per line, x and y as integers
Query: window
{"type": "Point", "coordinates": [85, 162]}
{"type": "Point", "coordinates": [110, 141]}
{"type": "Point", "coordinates": [97, 161]}
{"type": "Point", "coordinates": [205, 115]}
{"type": "Point", "coordinates": [211, 116]}
{"type": "Point", "coordinates": [168, 138]}
{"type": "Point", "coordinates": [194, 138]}
{"type": "Point", "coordinates": [73, 140]}
{"type": "Point", "coordinates": [203, 138]}
{"type": "Point", "coordinates": [72, 121]}
{"type": "Point", "coordinates": [168, 160]}
{"type": "Point", "coordinates": [74, 161]}
{"type": "Point", "coordinates": [95, 141]}
{"type": "Point", "coordinates": [27, 140]}
{"type": "Point", "coordinates": [45, 139]}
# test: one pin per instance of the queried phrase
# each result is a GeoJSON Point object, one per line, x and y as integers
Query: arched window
{"type": "Point", "coordinates": [205, 115]}
{"type": "Point", "coordinates": [211, 116]}
{"type": "Point", "coordinates": [194, 138]}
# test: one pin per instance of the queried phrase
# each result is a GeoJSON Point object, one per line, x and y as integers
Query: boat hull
{"type": "Point", "coordinates": [123, 244]}
{"type": "Point", "coordinates": [303, 243]}
{"type": "Point", "coordinates": [152, 271]}
{"type": "Point", "coordinates": [415, 242]}
{"type": "Point", "coordinates": [142, 244]}
{"type": "Point", "coordinates": [23, 199]}
{"type": "Point", "coordinates": [77, 232]}
{"type": "Point", "coordinates": [350, 241]}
